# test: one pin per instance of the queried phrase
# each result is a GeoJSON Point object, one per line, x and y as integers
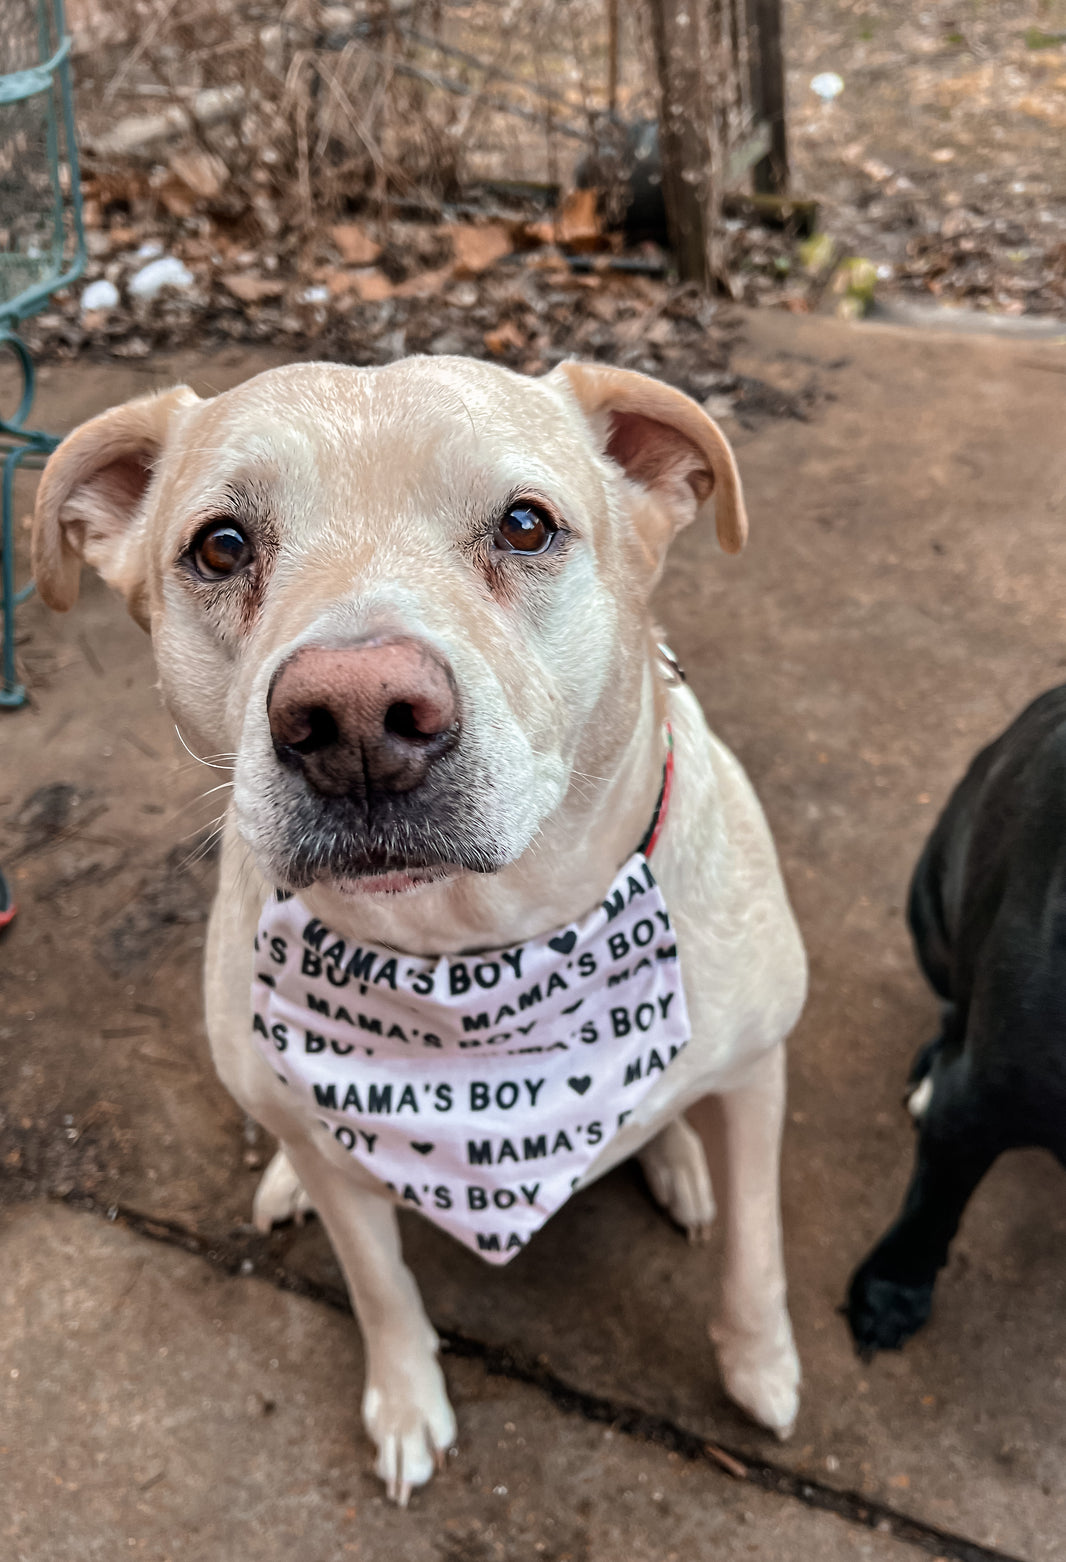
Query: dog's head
{"type": "Point", "coordinates": [412, 600]}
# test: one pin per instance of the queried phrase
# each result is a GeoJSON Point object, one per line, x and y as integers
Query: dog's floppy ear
{"type": "Point", "coordinates": [90, 502]}
{"type": "Point", "coordinates": [665, 443]}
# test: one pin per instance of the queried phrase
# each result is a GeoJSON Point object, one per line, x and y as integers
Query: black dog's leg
{"type": "Point", "coordinates": [891, 1293]}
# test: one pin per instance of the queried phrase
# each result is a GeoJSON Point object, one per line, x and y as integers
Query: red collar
{"type": "Point", "coordinates": [658, 818]}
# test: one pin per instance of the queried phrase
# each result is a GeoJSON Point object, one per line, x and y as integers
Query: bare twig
{"type": "Point", "coordinates": [498, 74]}
{"type": "Point", "coordinates": [146, 39]}
{"type": "Point", "coordinates": [479, 99]}
{"type": "Point", "coordinates": [732, 1466]}
{"type": "Point", "coordinates": [484, 100]}
{"type": "Point", "coordinates": [612, 56]}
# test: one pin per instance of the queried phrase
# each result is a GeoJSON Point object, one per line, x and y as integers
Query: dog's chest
{"type": "Point", "coordinates": [479, 1089]}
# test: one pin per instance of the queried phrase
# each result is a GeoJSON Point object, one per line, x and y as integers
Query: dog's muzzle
{"type": "Point", "coordinates": [368, 719]}
{"type": "Point", "coordinates": [370, 734]}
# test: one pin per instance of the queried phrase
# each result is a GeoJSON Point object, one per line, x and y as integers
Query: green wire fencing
{"type": "Point", "coordinates": [42, 249]}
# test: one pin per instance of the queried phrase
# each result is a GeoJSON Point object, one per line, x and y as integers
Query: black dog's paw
{"type": "Point", "coordinates": [883, 1314]}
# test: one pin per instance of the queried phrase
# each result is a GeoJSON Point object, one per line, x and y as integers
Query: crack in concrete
{"type": "Point", "coordinates": [232, 1257]}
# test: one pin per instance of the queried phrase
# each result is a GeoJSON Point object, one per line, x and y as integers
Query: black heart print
{"type": "Point", "coordinates": [423, 1149]}
{"type": "Point", "coordinates": [563, 942]}
{"type": "Point", "coordinates": [580, 1085]}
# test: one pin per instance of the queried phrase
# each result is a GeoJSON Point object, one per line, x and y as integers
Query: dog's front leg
{"type": "Point", "coordinates": [960, 1136]}
{"type": "Point", "coordinates": [406, 1410]}
{"type": "Point", "coordinates": [741, 1131]}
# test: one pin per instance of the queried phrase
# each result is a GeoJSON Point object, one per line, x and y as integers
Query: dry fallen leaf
{"type": "Point", "coordinates": [576, 222]}
{"type": "Point", "coordinates": [957, 222]}
{"type": "Point", "coordinates": [424, 284]}
{"type": "Point", "coordinates": [252, 290]}
{"type": "Point", "coordinates": [372, 286]}
{"type": "Point", "coordinates": [205, 174]}
{"type": "Point", "coordinates": [178, 200]}
{"type": "Point", "coordinates": [476, 248]}
{"type": "Point", "coordinates": [356, 246]}
{"type": "Point", "coordinates": [339, 281]}
{"type": "Point", "coordinates": [542, 232]}
{"type": "Point", "coordinates": [503, 337]}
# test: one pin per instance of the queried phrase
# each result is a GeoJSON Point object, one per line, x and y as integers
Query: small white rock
{"type": "Point", "coordinates": [158, 274]}
{"type": "Point", "coordinates": [99, 295]}
{"type": "Point", "coordinates": [314, 295]}
{"type": "Point", "coordinates": [149, 249]}
{"type": "Point", "coordinates": [827, 85]}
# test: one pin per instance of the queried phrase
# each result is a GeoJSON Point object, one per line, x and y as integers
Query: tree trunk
{"type": "Point", "coordinates": [685, 117]}
{"type": "Point", "coordinates": [768, 95]}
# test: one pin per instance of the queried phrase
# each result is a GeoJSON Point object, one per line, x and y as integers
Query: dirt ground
{"type": "Point", "coordinates": [941, 159]}
{"type": "Point", "coordinates": [176, 1387]}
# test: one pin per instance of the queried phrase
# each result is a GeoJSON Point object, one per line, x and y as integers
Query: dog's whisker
{"type": "Point", "coordinates": [205, 845]}
{"type": "Point", "coordinates": [223, 786]}
{"type": "Point", "coordinates": [183, 809]}
{"type": "Point", "coordinates": [199, 832]}
{"type": "Point", "coordinates": [199, 759]}
{"type": "Point", "coordinates": [181, 772]}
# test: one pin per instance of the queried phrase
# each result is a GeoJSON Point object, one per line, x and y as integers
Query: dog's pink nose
{"type": "Point", "coordinates": [374, 717]}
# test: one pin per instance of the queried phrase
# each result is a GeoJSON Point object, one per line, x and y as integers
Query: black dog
{"type": "Point", "coordinates": [987, 913]}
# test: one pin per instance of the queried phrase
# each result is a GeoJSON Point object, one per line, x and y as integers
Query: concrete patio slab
{"type": "Point", "coordinates": [901, 599]}
{"type": "Point", "coordinates": [156, 1410]}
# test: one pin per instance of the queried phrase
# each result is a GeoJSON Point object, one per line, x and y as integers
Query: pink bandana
{"type": "Point", "coordinates": [480, 1088]}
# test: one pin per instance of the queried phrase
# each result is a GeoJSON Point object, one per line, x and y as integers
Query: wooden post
{"type": "Point", "coordinates": [687, 176]}
{"type": "Point", "coordinates": [768, 94]}
{"type": "Point", "coordinates": [612, 57]}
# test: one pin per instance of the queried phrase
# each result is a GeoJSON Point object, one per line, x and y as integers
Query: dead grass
{"type": "Point", "coordinates": [331, 107]}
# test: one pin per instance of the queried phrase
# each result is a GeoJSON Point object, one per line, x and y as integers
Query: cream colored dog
{"type": "Point", "coordinates": [411, 603]}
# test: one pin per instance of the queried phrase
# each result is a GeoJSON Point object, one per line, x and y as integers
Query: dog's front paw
{"type": "Point", "coordinates": [410, 1420]}
{"type": "Point", "coordinates": [279, 1196]}
{"type": "Point", "coordinates": [884, 1313]}
{"type": "Point", "coordinates": [761, 1374]}
{"type": "Point", "coordinates": [676, 1169]}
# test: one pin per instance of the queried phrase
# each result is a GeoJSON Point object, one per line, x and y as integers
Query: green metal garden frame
{"type": "Point", "coordinates": [55, 268]}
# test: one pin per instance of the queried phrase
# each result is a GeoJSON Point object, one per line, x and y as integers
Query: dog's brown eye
{"type": "Point", "coordinates": [220, 550]}
{"type": "Point", "coordinates": [526, 528]}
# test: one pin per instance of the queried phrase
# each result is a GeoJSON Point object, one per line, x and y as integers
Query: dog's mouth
{"type": "Point", "coordinates": [389, 844]}
{"type": "Point", "coordinates": [379, 864]}
{"type": "Point", "coordinates": [399, 882]}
